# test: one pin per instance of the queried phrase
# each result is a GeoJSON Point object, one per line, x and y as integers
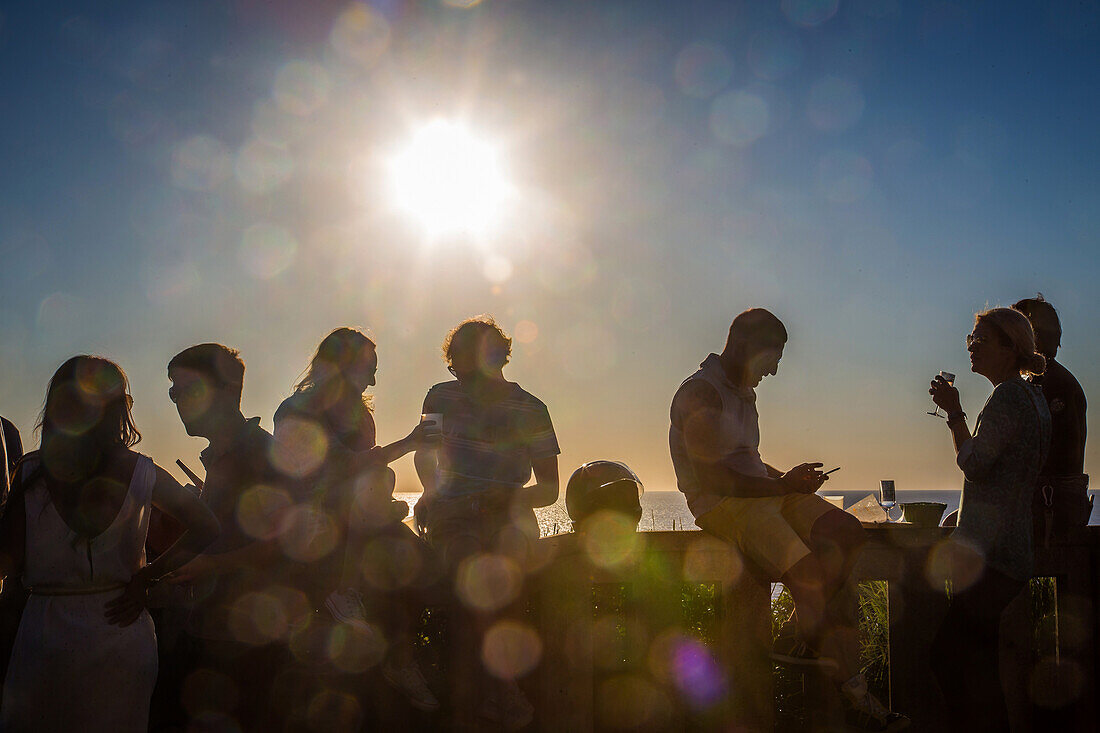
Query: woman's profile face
{"type": "Point", "coordinates": [990, 355]}
{"type": "Point", "coordinates": [362, 373]}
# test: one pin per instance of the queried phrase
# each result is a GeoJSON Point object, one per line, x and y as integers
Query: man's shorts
{"type": "Point", "coordinates": [772, 532]}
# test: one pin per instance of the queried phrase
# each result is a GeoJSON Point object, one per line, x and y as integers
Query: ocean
{"type": "Point", "coordinates": [667, 510]}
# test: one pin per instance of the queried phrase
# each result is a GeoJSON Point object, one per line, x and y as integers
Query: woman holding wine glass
{"type": "Point", "coordinates": [990, 554]}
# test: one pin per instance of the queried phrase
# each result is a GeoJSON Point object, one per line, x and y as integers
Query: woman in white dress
{"type": "Point", "coordinates": [85, 656]}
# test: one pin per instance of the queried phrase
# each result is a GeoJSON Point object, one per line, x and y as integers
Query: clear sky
{"type": "Point", "coordinates": [873, 172]}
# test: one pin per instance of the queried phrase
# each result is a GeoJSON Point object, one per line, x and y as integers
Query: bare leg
{"type": "Point", "coordinates": [838, 538]}
{"type": "Point", "coordinates": [806, 582]}
{"type": "Point", "coordinates": [819, 584]}
{"type": "Point", "coordinates": [367, 506]}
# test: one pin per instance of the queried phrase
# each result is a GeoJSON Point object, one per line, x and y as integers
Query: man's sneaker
{"type": "Point", "coordinates": [409, 681]}
{"type": "Point", "coordinates": [864, 712]}
{"type": "Point", "coordinates": [346, 606]}
{"type": "Point", "coordinates": [793, 652]}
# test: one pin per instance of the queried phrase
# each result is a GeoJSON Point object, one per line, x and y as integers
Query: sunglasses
{"type": "Point", "coordinates": [186, 391]}
{"type": "Point", "coordinates": [973, 341]}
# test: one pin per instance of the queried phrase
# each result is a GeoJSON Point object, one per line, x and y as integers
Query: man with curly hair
{"type": "Point", "coordinates": [477, 505]}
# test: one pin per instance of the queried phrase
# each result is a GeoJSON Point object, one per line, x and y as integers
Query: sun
{"type": "Point", "coordinates": [450, 181]}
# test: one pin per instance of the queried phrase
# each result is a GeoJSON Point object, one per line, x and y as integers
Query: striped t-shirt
{"type": "Point", "coordinates": [489, 446]}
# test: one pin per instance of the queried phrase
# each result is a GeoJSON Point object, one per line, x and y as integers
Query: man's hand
{"type": "Point", "coordinates": [805, 478]}
{"type": "Point", "coordinates": [203, 566]}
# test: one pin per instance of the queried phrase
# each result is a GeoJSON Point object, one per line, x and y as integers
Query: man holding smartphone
{"type": "Point", "coordinates": [773, 517]}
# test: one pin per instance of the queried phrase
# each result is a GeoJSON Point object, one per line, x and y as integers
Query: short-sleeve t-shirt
{"type": "Point", "coordinates": [738, 436]}
{"type": "Point", "coordinates": [235, 472]}
{"type": "Point", "coordinates": [489, 446]}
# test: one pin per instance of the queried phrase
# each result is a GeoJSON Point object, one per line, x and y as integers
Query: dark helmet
{"type": "Point", "coordinates": [600, 485]}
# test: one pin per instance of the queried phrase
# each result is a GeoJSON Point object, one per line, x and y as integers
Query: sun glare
{"type": "Point", "coordinates": [450, 180]}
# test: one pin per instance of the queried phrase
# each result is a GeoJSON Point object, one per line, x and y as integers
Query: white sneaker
{"type": "Point", "coordinates": [346, 606]}
{"type": "Point", "coordinates": [410, 682]}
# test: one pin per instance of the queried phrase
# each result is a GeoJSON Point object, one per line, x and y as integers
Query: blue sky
{"type": "Point", "coordinates": [873, 172]}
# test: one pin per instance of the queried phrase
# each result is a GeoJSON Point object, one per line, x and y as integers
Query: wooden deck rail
{"type": "Point", "coordinates": [619, 651]}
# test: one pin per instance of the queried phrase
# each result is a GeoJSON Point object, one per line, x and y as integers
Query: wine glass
{"type": "Point", "coordinates": [887, 498]}
{"type": "Point", "coordinates": [950, 379]}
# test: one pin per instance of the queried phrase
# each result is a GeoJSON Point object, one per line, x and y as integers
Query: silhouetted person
{"type": "Point", "coordinates": [773, 517]}
{"type": "Point", "coordinates": [1061, 499]}
{"type": "Point", "coordinates": [325, 435]}
{"type": "Point", "coordinates": [11, 451]}
{"type": "Point", "coordinates": [12, 594]}
{"type": "Point", "coordinates": [477, 506]}
{"type": "Point", "coordinates": [603, 491]}
{"type": "Point", "coordinates": [85, 656]}
{"type": "Point", "coordinates": [990, 554]}
{"type": "Point", "coordinates": [239, 653]}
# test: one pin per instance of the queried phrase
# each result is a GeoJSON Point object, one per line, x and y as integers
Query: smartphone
{"type": "Point", "coordinates": [191, 475]}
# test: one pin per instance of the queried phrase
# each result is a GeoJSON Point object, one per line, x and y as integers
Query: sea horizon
{"type": "Point", "coordinates": [665, 510]}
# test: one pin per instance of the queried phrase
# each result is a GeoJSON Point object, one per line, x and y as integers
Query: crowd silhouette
{"type": "Point", "coordinates": [284, 589]}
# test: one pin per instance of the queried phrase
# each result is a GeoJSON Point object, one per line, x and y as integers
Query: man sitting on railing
{"type": "Point", "coordinates": [774, 518]}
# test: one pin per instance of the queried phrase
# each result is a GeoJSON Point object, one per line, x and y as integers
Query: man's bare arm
{"type": "Point", "coordinates": [544, 491]}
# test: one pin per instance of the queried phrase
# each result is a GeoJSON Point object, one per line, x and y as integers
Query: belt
{"type": "Point", "coordinates": [46, 590]}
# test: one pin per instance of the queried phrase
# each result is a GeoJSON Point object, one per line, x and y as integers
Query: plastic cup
{"type": "Point", "coordinates": [433, 421]}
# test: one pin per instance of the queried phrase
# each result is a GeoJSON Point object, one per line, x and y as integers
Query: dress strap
{"type": "Point", "coordinates": [145, 475]}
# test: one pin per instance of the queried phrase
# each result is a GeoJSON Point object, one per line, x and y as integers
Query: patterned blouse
{"type": "Point", "coordinates": [1001, 464]}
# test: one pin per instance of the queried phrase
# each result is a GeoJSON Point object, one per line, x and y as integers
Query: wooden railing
{"type": "Point", "coordinates": [625, 648]}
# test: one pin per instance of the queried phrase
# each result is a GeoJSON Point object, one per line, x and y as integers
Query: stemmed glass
{"type": "Point", "coordinates": [950, 379]}
{"type": "Point", "coordinates": [887, 497]}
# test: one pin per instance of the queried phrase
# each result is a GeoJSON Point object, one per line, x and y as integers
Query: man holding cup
{"type": "Point", "coordinates": [477, 506]}
{"type": "Point", "coordinates": [773, 517]}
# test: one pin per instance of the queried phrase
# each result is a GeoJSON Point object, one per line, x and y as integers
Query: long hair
{"type": "Point", "coordinates": [336, 353]}
{"type": "Point", "coordinates": [85, 417]}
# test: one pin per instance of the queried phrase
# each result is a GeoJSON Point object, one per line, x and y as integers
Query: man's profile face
{"type": "Point", "coordinates": [764, 362]}
{"type": "Point", "coordinates": [193, 394]}
{"type": "Point", "coordinates": [478, 356]}
{"type": "Point", "coordinates": [1046, 337]}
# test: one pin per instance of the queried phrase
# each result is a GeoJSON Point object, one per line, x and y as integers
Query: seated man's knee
{"type": "Point", "coordinates": [807, 573]}
{"type": "Point", "coordinates": [839, 529]}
